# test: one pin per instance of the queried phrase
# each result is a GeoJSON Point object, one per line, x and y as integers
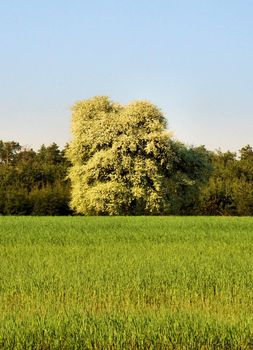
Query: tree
{"type": "Point", "coordinates": [8, 151]}
{"type": "Point", "coordinates": [246, 153]}
{"type": "Point", "coordinates": [33, 183]}
{"type": "Point", "coordinates": [229, 190]}
{"type": "Point", "coordinates": [25, 156]}
{"type": "Point", "coordinates": [123, 159]}
{"type": "Point", "coordinates": [191, 169]}
{"type": "Point", "coordinates": [50, 154]}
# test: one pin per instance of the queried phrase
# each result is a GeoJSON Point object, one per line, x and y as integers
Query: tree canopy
{"type": "Point", "coordinates": [33, 183]}
{"type": "Point", "coordinates": [124, 160]}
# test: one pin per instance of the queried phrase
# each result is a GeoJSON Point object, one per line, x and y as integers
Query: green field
{"type": "Point", "coordinates": [126, 283]}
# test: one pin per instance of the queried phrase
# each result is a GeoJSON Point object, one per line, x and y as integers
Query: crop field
{"type": "Point", "coordinates": [126, 283]}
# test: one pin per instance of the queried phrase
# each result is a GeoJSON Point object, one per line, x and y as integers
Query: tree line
{"type": "Point", "coordinates": [36, 183]}
{"type": "Point", "coordinates": [123, 161]}
{"type": "Point", "coordinates": [33, 183]}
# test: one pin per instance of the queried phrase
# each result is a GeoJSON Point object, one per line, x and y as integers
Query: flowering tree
{"type": "Point", "coordinates": [120, 156]}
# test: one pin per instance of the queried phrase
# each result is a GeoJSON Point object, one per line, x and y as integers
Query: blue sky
{"type": "Point", "coordinates": [193, 59]}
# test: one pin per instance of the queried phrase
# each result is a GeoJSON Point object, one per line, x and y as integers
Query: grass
{"type": "Point", "coordinates": [126, 283]}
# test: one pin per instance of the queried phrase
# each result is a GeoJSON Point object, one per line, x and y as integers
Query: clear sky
{"type": "Point", "coordinates": [192, 58]}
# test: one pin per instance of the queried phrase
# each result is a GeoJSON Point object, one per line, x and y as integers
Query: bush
{"type": "Point", "coordinates": [16, 203]}
{"type": "Point", "coordinates": [50, 201]}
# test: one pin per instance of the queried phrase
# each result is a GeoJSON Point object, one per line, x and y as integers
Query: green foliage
{"type": "Point", "coordinates": [16, 203]}
{"type": "Point", "coordinates": [230, 188]}
{"type": "Point", "coordinates": [189, 172]}
{"type": "Point", "coordinates": [50, 200]}
{"type": "Point", "coordinates": [8, 151]}
{"type": "Point", "coordinates": [33, 183]}
{"type": "Point", "coordinates": [125, 162]}
{"type": "Point", "coordinates": [126, 283]}
{"type": "Point", "coordinates": [50, 155]}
